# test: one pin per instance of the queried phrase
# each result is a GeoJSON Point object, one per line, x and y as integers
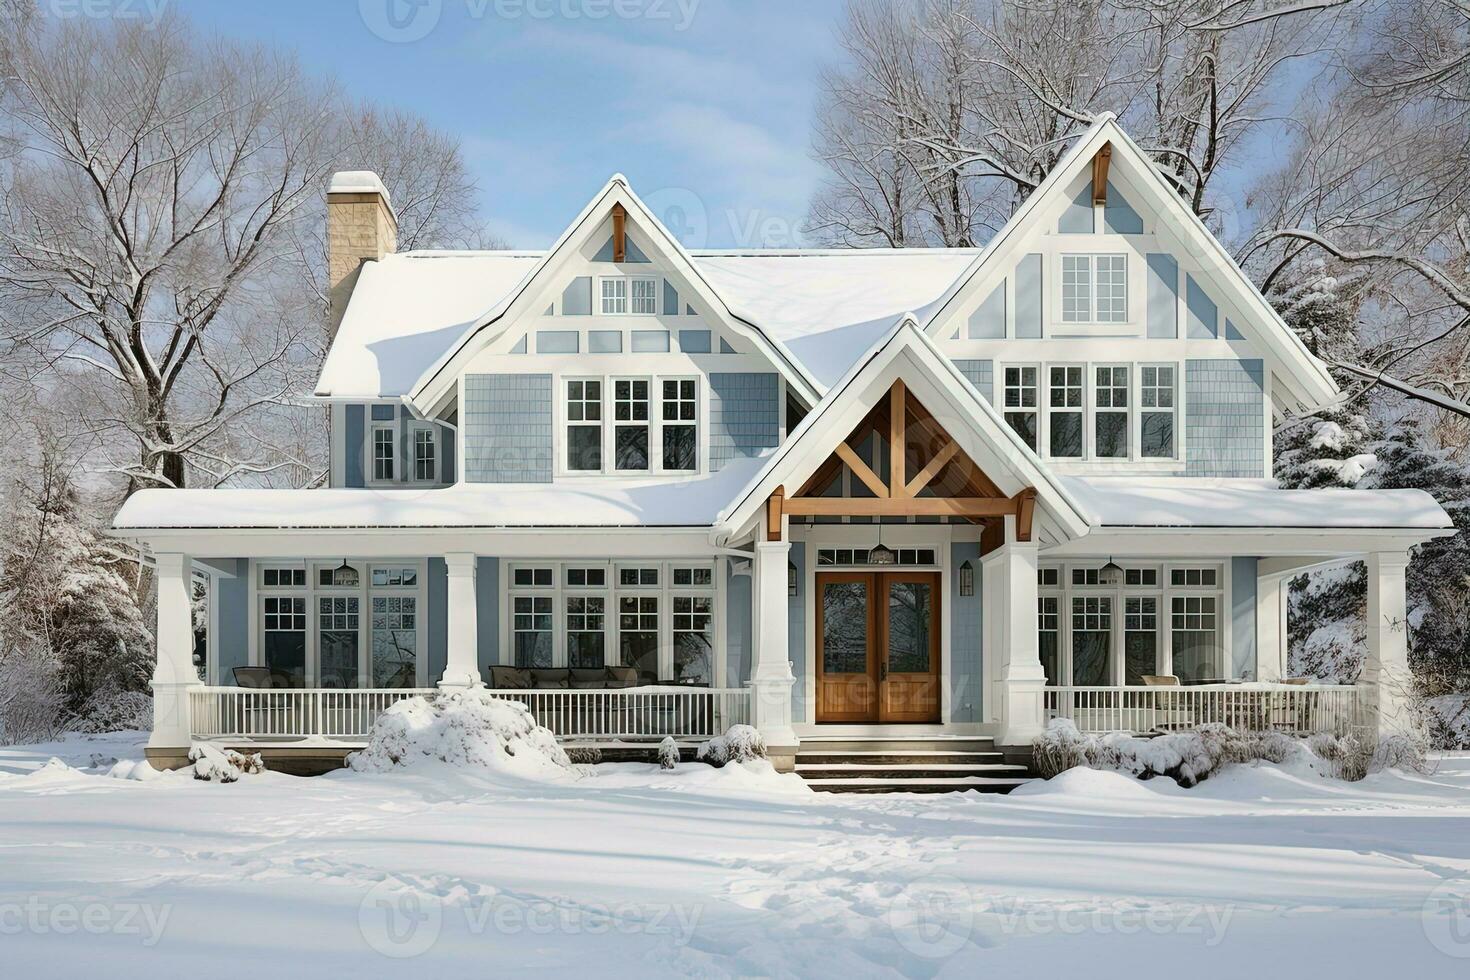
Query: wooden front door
{"type": "Point", "coordinates": [877, 647]}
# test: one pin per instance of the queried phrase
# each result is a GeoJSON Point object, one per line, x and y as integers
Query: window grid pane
{"type": "Point", "coordinates": [1076, 288]}
{"type": "Point", "coordinates": [1112, 288]}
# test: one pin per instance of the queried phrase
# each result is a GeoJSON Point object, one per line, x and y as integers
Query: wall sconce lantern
{"type": "Point", "coordinates": [791, 578]}
{"type": "Point", "coordinates": [967, 578]}
{"type": "Point", "coordinates": [1110, 574]}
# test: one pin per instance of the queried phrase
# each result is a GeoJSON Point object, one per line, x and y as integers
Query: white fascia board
{"type": "Point", "coordinates": [438, 382]}
{"type": "Point", "coordinates": [1198, 542]}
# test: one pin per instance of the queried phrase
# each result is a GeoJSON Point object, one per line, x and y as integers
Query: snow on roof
{"type": "Point", "coordinates": [1199, 503]}
{"type": "Point", "coordinates": [827, 307]}
{"type": "Point", "coordinates": [604, 503]}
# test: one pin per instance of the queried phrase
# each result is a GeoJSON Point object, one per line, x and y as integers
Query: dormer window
{"type": "Point", "coordinates": [384, 439]}
{"type": "Point", "coordinates": [1094, 289]}
{"type": "Point", "coordinates": [630, 425]}
{"type": "Point", "coordinates": [425, 456]}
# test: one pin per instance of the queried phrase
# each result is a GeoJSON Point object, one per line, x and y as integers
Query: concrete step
{"type": "Point", "coordinates": [900, 758]}
{"type": "Point", "coordinates": [826, 745]}
{"type": "Point", "coordinates": [897, 773]}
{"type": "Point", "coordinates": [954, 784]}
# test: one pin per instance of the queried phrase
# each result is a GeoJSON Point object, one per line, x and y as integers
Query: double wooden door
{"type": "Point", "coordinates": [877, 647]}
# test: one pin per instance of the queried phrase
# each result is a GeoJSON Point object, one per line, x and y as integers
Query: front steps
{"type": "Point", "coordinates": [909, 765]}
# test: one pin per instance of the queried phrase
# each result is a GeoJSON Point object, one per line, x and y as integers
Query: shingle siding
{"type": "Point", "coordinates": [981, 374]}
{"type": "Point", "coordinates": [745, 416]}
{"type": "Point", "coordinates": [507, 425]}
{"type": "Point", "coordinates": [1224, 418]}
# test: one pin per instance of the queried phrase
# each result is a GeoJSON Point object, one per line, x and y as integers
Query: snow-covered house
{"type": "Point", "coordinates": [654, 490]}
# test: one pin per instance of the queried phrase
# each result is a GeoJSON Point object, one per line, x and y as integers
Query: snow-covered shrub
{"type": "Point", "coordinates": [584, 755]}
{"type": "Point", "coordinates": [112, 710]}
{"type": "Point", "coordinates": [1187, 758]}
{"type": "Point", "coordinates": [469, 729]}
{"type": "Point", "coordinates": [668, 753]}
{"type": "Point", "coordinates": [1059, 748]}
{"type": "Point", "coordinates": [1407, 751]}
{"type": "Point", "coordinates": [32, 698]}
{"type": "Point", "coordinates": [217, 765]}
{"type": "Point", "coordinates": [1350, 757]}
{"type": "Point", "coordinates": [740, 743]}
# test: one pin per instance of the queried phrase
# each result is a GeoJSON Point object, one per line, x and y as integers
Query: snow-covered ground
{"type": "Point", "coordinates": [626, 870]}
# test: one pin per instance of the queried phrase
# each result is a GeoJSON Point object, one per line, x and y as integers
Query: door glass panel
{"type": "Point", "coordinates": [337, 640]}
{"type": "Point", "coordinates": [1140, 638]}
{"type": "Point", "coordinates": [845, 628]}
{"type": "Point", "coordinates": [395, 640]}
{"type": "Point", "coordinates": [910, 605]}
{"type": "Point", "coordinates": [1092, 627]}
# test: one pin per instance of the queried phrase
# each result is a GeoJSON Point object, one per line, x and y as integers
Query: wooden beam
{"type": "Point", "coordinates": [898, 438]}
{"type": "Point", "coordinates": [931, 469]}
{"type": "Point", "coordinates": [620, 233]}
{"type": "Point", "coordinates": [1025, 513]}
{"type": "Point", "coordinates": [775, 506]}
{"type": "Point", "coordinates": [861, 470]}
{"type": "Point", "coordinates": [899, 507]}
{"type": "Point", "coordinates": [1100, 174]}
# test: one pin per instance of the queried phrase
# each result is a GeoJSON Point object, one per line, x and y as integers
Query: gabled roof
{"type": "Point", "coordinates": [1302, 372]}
{"type": "Point", "coordinates": [437, 379]}
{"type": "Point", "coordinates": [906, 352]}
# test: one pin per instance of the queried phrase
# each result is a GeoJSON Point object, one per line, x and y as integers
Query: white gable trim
{"type": "Point", "coordinates": [970, 420]}
{"type": "Point", "coordinates": [438, 382]}
{"type": "Point", "coordinates": [1304, 375]}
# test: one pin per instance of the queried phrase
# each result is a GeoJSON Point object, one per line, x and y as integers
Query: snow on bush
{"type": "Point", "coordinates": [740, 743]}
{"type": "Point", "coordinates": [668, 753]}
{"type": "Point", "coordinates": [1191, 757]}
{"type": "Point", "coordinates": [469, 729]}
{"type": "Point", "coordinates": [217, 765]}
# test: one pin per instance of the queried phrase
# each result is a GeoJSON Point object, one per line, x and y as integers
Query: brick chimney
{"type": "Point", "coordinates": [361, 227]}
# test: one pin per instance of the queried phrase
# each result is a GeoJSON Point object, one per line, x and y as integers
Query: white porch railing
{"type": "Point", "coordinates": [1304, 709]}
{"type": "Point", "coordinates": [621, 714]}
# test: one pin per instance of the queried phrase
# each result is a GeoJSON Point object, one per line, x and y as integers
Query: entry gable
{"type": "Point", "coordinates": [956, 457]}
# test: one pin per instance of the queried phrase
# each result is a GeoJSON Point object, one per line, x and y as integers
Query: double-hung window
{"type": "Point", "coordinates": [425, 462]}
{"type": "Point", "coordinates": [385, 438]}
{"type": "Point", "coordinates": [638, 625]}
{"type": "Point", "coordinates": [1065, 411]}
{"type": "Point", "coordinates": [586, 615]}
{"type": "Point", "coordinates": [532, 617]}
{"type": "Point", "coordinates": [680, 421]}
{"type": "Point", "coordinates": [614, 296]}
{"type": "Point", "coordinates": [1110, 420]}
{"type": "Point", "coordinates": [644, 295]}
{"type": "Point", "coordinates": [1156, 411]}
{"type": "Point", "coordinates": [630, 424]}
{"type": "Point", "coordinates": [1094, 289]}
{"type": "Point", "coordinates": [584, 425]}
{"type": "Point", "coordinates": [1021, 402]}
{"type": "Point", "coordinates": [693, 625]}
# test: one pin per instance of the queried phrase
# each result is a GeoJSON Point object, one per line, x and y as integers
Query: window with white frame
{"type": "Point", "coordinates": [644, 294]}
{"type": "Point", "coordinates": [532, 616]}
{"type": "Point", "coordinates": [1021, 402]}
{"type": "Point", "coordinates": [614, 296]}
{"type": "Point", "coordinates": [583, 424]}
{"type": "Point", "coordinates": [629, 295]}
{"type": "Point", "coordinates": [1195, 638]}
{"type": "Point", "coordinates": [394, 643]}
{"type": "Point", "coordinates": [1156, 411]}
{"type": "Point", "coordinates": [385, 438]}
{"type": "Point", "coordinates": [1094, 288]}
{"type": "Point", "coordinates": [1110, 413]}
{"type": "Point", "coordinates": [425, 455]}
{"type": "Point", "coordinates": [693, 625]}
{"type": "Point", "coordinates": [1092, 630]}
{"type": "Point", "coordinates": [1140, 637]}
{"type": "Point", "coordinates": [1048, 637]}
{"type": "Point", "coordinates": [1065, 412]}
{"type": "Point", "coordinates": [680, 424]}
{"type": "Point", "coordinates": [586, 631]}
{"type": "Point", "coordinates": [638, 619]}
{"type": "Point", "coordinates": [283, 638]}
{"type": "Point", "coordinates": [630, 424]}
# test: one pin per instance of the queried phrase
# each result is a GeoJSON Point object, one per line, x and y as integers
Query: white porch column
{"type": "Point", "coordinates": [1387, 665]}
{"type": "Point", "coordinates": [1012, 569]}
{"type": "Point", "coordinates": [174, 674]}
{"type": "Point", "coordinates": [771, 677]}
{"type": "Point", "coordinates": [1270, 627]}
{"type": "Point", "coordinates": [462, 664]}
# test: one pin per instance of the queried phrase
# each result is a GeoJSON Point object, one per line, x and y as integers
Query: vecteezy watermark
{"type": "Point", "coordinates": [37, 916]}
{"type": "Point", "coordinates": [150, 12]}
{"type": "Point", "coordinates": [1446, 918]}
{"type": "Point", "coordinates": [402, 922]}
{"type": "Point", "coordinates": [685, 216]}
{"type": "Point", "coordinates": [405, 21]}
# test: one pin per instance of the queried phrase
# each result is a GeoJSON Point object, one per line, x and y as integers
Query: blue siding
{"type": "Point", "coordinates": [487, 612]}
{"type": "Point", "coordinates": [507, 426]}
{"type": "Point", "coordinates": [1118, 215]}
{"type": "Point", "coordinates": [671, 299]}
{"type": "Point", "coordinates": [966, 671]}
{"type": "Point", "coordinates": [1243, 617]}
{"type": "Point", "coordinates": [557, 341]}
{"type": "Point", "coordinates": [650, 341]}
{"type": "Point", "coordinates": [796, 632]}
{"type": "Point", "coordinates": [1028, 297]}
{"type": "Point", "coordinates": [694, 341]}
{"type": "Point", "coordinates": [1163, 295]}
{"type": "Point", "coordinates": [232, 608]}
{"type": "Point", "coordinates": [382, 413]}
{"type": "Point", "coordinates": [447, 448]}
{"type": "Point", "coordinates": [1078, 218]}
{"type": "Point", "coordinates": [438, 620]}
{"type": "Point", "coordinates": [352, 445]}
{"type": "Point", "coordinates": [1204, 315]}
{"type": "Point", "coordinates": [737, 628]}
{"type": "Point", "coordinates": [981, 375]}
{"type": "Point", "coordinates": [988, 322]}
{"type": "Point", "coordinates": [1224, 418]}
{"type": "Point", "coordinates": [745, 416]}
{"type": "Point", "coordinates": [576, 299]}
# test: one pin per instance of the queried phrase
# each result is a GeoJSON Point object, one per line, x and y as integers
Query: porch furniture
{"type": "Point", "coordinates": [255, 677]}
{"type": "Point", "coordinates": [1160, 680]}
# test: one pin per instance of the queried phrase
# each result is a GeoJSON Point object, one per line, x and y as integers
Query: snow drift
{"type": "Point", "coordinates": [467, 729]}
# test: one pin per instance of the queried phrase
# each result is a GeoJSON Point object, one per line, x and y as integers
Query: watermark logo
{"type": "Point", "coordinates": [37, 917]}
{"type": "Point", "coordinates": [1446, 918]}
{"type": "Point", "coordinates": [933, 917]}
{"type": "Point", "coordinates": [149, 12]}
{"type": "Point", "coordinates": [399, 922]}
{"type": "Point", "coordinates": [400, 21]}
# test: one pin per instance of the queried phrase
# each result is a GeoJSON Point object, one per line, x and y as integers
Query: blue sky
{"type": "Point", "coordinates": [705, 105]}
